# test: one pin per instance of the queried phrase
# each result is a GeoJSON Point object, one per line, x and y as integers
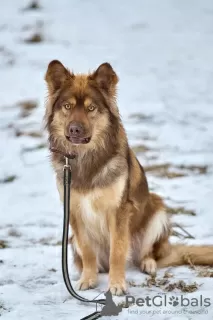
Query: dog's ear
{"type": "Point", "coordinates": [56, 75]}
{"type": "Point", "coordinates": [105, 77]}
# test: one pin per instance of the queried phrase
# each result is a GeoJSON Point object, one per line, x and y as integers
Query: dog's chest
{"type": "Point", "coordinates": [94, 214]}
{"type": "Point", "coordinates": [96, 206]}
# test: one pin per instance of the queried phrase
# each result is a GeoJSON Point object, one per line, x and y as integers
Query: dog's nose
{"type": "Point", "coordinates": [76, 129]}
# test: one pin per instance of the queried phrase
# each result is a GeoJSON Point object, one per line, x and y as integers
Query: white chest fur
{"type": "Point", "coordinates": [94, 216]}
{"type": "Point", "coordinates": [95, 206]}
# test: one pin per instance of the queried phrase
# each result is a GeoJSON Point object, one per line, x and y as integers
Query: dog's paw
{"type": "Point", "coordinates": [149, 266]}
{"type": "Point", "coordinates": [118, 288]}
{"type": "Point", "coordinates": [86, 283]}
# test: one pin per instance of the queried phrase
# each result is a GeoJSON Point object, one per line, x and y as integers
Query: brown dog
{"type": "Point", "coordinates": [113, 216]}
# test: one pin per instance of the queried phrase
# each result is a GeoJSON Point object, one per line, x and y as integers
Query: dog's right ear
{"type": "Point", "coordinates": [56, 76]}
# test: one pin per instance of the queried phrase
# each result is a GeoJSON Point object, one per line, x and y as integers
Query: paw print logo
{"type": "Point", "coordinates": [174, 301]}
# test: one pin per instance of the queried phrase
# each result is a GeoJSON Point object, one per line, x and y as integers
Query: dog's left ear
{"type": "Point", "coordinates": [105, 77]}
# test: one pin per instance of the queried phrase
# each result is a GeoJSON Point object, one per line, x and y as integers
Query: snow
{"type": "Point", "coordinates": [162, 52]}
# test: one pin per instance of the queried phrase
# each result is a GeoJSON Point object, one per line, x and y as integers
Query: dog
{"type": "Point", "coordinates": [114, 218]}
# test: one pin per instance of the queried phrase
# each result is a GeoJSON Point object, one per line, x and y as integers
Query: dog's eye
{"type": "Point", "coordinates": [91, 107]}
{"type": "Point", "coordinates": [67, 106]}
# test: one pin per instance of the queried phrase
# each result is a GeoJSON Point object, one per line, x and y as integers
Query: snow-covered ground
{"type": "Point", "coordinates": [163, 54]}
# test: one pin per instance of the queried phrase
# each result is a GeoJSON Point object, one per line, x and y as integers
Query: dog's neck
{"type": "Point", "coordinates": [84, 168]}
{"type": "Point", "coordinates": [87, 166]}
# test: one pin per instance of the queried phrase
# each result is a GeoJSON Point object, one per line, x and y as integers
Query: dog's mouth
{"type": "Point", "coordinates": [77, 140]}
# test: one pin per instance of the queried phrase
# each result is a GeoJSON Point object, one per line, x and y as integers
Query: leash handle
{"type": "Point", "coordinates": [92, 316]}
{"type": "Point", "coordinates": [67, 184]}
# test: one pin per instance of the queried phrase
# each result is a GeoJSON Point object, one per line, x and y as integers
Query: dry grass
{"type": "Point", "coordinates": [180, 235]}
{"type": "Point", "coordinates": [194, 168]}
{"type": "Point", "coordinates": [35, 38]}
{"type": "Point", "coordinates": [24, 114]}
{"type": "Point", "coordinates": [184, 235]}
{"type": "Point", "coordinates": [169, 171]}
{"type": "Point", "coordinates": [168, 275]}
{"type": "Point", "coordinates": [2, 307]}
{"type": "Point", "coordinates": [57, 243]}
{"type": "Point", "coordinates": [204, 272]}
{"type": "Point", "coordinates": [165, 284]}
{"type": "Point", "coordinates": [48, 241]}
{"type": "Point", "coordinates": [31, 149]}
{"type": "Point", "coordinates": [33, 134]}
{"type": "Point", "coordinates": [140, 117]}
{"type": "Point", "coordinates": [173, 174]}
{"type": "Point", "coordinates": [153, 281]}
{"type": "Point", "coordinates": [140, 148]}
{"type": "Point", "coordinates": [135, 285]}
{"type": "Point", "coordinates": [27, 107]}
{"type": "Point", "coordinates": [28, 104]}
{"type": "Point", "coordinates": [123, 304]}
{"type": "Point", "coordinates": [164, 170]}
{"type": "Point", "coordinates": [3, 244]}
{"type": "Point", "coordinates": [182, 286]}
{"type": "Point", "coordinates": [34, 5]}
{"type": "Point", "coordinates": [14, 233]}
{"type": "Point", "coordinates": [8, 179]}
{"type": "Point", "coordinates": [150, 282]}
{"type": "Point", "coordinates": [180, 210]}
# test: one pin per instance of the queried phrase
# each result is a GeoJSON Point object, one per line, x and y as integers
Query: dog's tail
{"type": "Point", "coordinates": [183, 254]}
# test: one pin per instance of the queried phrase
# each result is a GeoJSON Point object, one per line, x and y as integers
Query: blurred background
{"type": "Point", "coordinates": [162, 52]}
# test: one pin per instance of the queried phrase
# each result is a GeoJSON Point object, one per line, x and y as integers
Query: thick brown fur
{"type": "Point", "coordinates": [114, 217]}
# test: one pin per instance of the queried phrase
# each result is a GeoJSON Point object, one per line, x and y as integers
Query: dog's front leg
{"type": "Point", "coordinates": [119, 246]}
{"type": "Point", "coordinates": [89, 275]}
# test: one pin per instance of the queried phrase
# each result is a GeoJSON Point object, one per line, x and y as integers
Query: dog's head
{"type": "Point", "coordinates": [81, 109]}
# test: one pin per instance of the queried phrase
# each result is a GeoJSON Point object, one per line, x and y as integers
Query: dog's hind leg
{"type": "Point", "coordinates": [155, 235]}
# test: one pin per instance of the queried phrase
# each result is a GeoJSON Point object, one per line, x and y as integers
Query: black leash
{"type": "Point", "coordinates": [67, 183]}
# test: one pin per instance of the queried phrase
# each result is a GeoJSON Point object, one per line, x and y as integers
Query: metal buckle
{"type": "Point", "coordinates": [67, 164]}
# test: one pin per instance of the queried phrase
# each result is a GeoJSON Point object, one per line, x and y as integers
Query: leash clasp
{"type": "Point", "coordinates": [67, 164]}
